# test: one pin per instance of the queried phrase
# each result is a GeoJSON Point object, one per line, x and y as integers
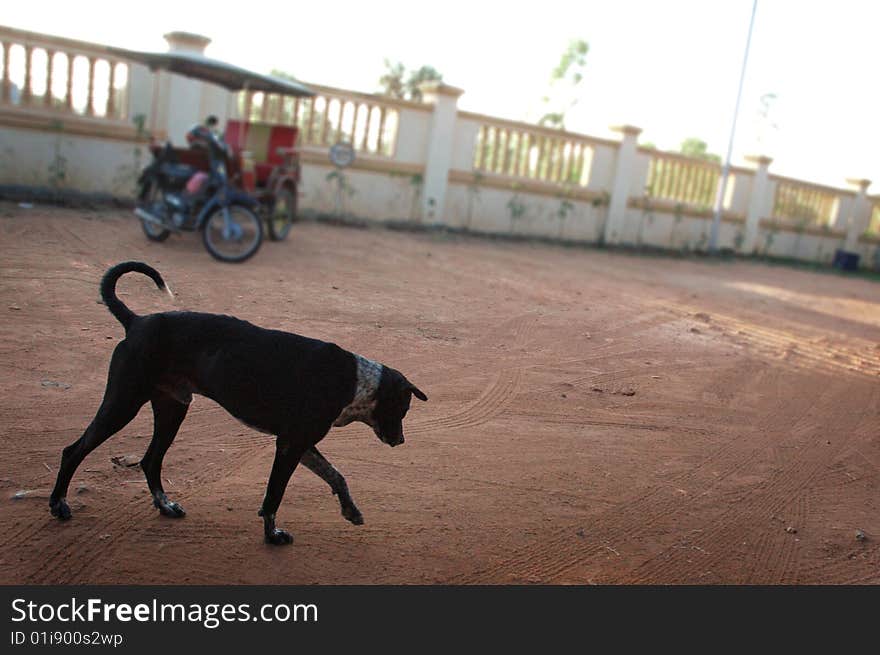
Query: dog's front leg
{"type": "Point", "coordinates": [287, 456]}
{"type": "Point", "coordinates": [317, 464]}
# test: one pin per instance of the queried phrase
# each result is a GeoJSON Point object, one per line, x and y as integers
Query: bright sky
{"type": "Point", "coordinates": [670, 67]}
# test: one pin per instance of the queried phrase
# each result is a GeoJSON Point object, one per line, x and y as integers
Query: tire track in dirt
{"type": "Point", "coordinates": [494, 399]}
{"type": "Point", "coordinates": [490, 404]}
{"type": "Point", "coordinates": [840, 570]}
{"type": "Point", "coordinates": [702, 543]}
{"type": "Point", "coordinates": [764, 501]}
{"type": "Point", "coordinates": [789, 346]}
{"type": "Point", "coordinates": [564, 419]}
{"type": "Point", "coordinates": [768, 499]}
{"type": "Point", "coordinates": [558, 552]}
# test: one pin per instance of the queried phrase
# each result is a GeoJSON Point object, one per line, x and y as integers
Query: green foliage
{"type": "Point", "coordinates": [392, 80]}
{"type": "Point", "coordinates": [564, 82]}
{"type": "Point", "coordinates": [697, 148]}
{"type": "Point", "coordinates": [679, 212]}
{"type": "Point", "coordinates": [473, 191]}
{"type": "Point", "coordinates": [341, 180]}
{"type": "Point", "coordinates": [416, 183]}
{"type": "Point", "coordinates": [572, 62]}
{"type": "Point", "coordinates": [58, 165]}
{"type": "Point", "coordinates": [768, 240]}
{"type": "Point", "coordinates": [284, 75]}
{"type": "Point", "coordinates": [517, 209]}
{"type": "Point", "coordinates": [765, 122]}
{"type": "Point", "coordinates": [396, 84]}
{"type": "Point", "coordinates": [553, 119]}
{"type": "Point", "coordinates": [565, 208]}
{"type": "Point", "coordinates": [140, 122]}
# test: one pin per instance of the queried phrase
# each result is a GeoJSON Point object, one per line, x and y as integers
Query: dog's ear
{"type": "Point", "coordinates": [416, 391]}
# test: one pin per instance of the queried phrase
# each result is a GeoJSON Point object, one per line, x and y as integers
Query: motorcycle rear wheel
{"type": "Point", "coordinates": [282, 213]}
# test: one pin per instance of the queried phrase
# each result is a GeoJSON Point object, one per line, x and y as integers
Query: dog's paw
{"type": "Point", "coordinates": [60, 509]}
{"type": "Point", "coordinates": [169, 509]}
{"type": "Point", "coordinates": [353, 515]}
{"type": "Point", "coordinates": [172, 510]}
{"type": "Point", "coordinates": [279, 537]}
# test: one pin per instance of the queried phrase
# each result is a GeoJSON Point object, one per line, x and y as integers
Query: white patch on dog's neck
{"type": "Point", "coordinates": [364, 402]}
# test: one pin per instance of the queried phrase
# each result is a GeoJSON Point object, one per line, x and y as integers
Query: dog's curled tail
{"type": "Point", "coordinates": [108, 289]}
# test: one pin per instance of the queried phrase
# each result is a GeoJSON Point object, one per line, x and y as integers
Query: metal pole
{"type": "Point", "coordinates": [725, 171]}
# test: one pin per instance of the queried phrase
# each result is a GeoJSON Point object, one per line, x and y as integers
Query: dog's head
{"type": "Point", "coordinates": [392, 403]}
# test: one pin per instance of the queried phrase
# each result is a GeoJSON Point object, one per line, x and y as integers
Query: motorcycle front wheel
{"type": "Point", "coordinates": [151, 197]}
{"type": "Point", "coordinates": [232, 234]}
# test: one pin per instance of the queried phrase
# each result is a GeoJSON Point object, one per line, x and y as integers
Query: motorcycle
{"type": "Point", "coordinates": [178, 197]}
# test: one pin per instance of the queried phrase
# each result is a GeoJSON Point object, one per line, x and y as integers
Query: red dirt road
{"type": "Point", "coordinates": [593, 417]}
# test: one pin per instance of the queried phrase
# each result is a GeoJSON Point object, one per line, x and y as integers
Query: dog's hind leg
{"type": "Point", "coordinates": [123, 399]}
{"type": "Point", "coordinates": [313, 460]}
{"type": "Point", "coordinates": [287, 456]}
{"type": "Point", "coordinates": [168, 414]}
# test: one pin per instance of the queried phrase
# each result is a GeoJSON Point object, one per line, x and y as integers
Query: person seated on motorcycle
{"type": "Point", "coordinates": [204, 136]}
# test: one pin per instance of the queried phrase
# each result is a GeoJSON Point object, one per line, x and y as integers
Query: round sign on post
{"type": "Point", "coordinates": [342, 154]}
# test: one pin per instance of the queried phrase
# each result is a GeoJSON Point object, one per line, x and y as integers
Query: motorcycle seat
{"type": "Point", "coordinates": [177, 172]}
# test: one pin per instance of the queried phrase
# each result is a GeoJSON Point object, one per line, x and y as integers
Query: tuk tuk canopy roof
{"type": "Point", "coordinates": [214, 71]}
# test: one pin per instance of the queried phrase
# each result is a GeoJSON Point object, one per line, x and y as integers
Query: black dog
{"type": "Point", "coordinates": [279, 383]}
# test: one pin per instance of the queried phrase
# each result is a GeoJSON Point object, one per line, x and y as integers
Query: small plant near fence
{"type": "Point", "coordinates": [416, 183]}
{"type": "Point", "coordinates": [647, 215]}
{"type": "Point", "coordinates": [678, 215]}
{"type": "Point", "coordinates": [603, 200]}
{"type": "Point", "coordinates": [343, 189]}
{"type": "Point", "coordinates": [57, 168]}
{"type": "Point", "coordinates": [702, 241]}
{"type": "Point", "coordinates": [517, 209]}
{"type": "Point", "coordinates": [566, 207]}
{"type": "Point", "coordinates": [473, 191]}
{"type": "Point", "coordinates": [768, 240]}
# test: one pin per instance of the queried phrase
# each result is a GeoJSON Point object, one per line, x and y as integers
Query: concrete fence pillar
{"type": "Point", "coordinates": [621, 183]}
{"type": "Point", "coordinates": [758, 201]}
{"type": "Point", "coordinates": [859, 216]}
{"type": "Point", "coordinates": [441, 139]}
{"type": "Point", "coordinates": [181, 97]}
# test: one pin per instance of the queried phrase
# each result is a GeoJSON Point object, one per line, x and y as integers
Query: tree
{"type": "Point", "coordinates": [697, 148]}
{"type": "Point", "coordinates": [416, 78]}
{"type": "Point", "coordinates": [393, 83]}
{"type": "Point", "coordinates": [764, 123]}
{"type": "Point", "coordinates": [284, 75]}
{"type": "Point", "coordinates": [565, 80]}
